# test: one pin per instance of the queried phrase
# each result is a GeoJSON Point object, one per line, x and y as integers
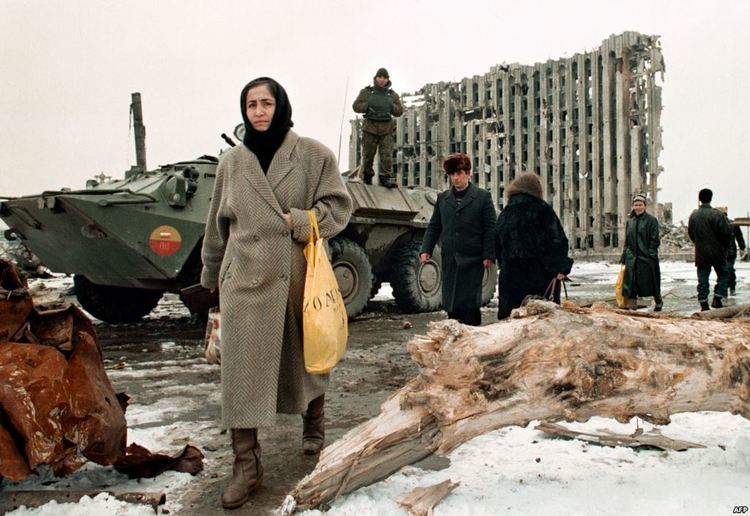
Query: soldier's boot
{"type": "Point", "coordinates": [716, 303]}
{"type": "Point", "coordinates": [704, 306]}
{"type": "Point", "coordinates": [632, 303]}
{"type": "Point", "coordinates": [313, 426]}
{"type": "Point", "coordinates": [247, 471]}
{"type": "Point", "coordinates": [387, 181]}
{"type": "Point", "coordinates": [658, 303]}
{"type": "Point", "coordinates": [731, 291]}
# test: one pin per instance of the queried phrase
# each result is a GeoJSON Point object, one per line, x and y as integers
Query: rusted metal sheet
{"type": "Point", "coordinates": [57, 404]}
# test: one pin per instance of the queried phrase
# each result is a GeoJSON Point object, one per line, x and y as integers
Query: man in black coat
{"type": "Point", "coordinates": [710, 232]}
{"type": "Point", "coordinates": [530, 245]}
{"type": "Point", "coordinates": [463, 220]}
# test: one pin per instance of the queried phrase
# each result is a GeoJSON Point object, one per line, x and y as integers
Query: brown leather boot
{"type": "Point", "coordinates": [247, 472]}
{"type": "Point", "coordinates": [313, 427]}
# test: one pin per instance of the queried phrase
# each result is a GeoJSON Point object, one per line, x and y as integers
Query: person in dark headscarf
{"type": "Point", "coordinates": [530, 245]}
{"type": "Point", "coordinates": [641, 256]}
{"type": "Point", "coordinates": [252, 252]}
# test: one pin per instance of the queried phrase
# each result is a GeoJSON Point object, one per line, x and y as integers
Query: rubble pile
{"type": "Point", "coordinates": [17, 253]}
{"type": "Point", "coordinates": [57, 405]}
{"type": "Point", "coordinates": [674, 239]}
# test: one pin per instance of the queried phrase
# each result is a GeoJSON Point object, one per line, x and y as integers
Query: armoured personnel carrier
{"type": "Point", "coordinates": [128, 241]}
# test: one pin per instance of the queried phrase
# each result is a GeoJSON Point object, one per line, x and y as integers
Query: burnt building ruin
{"type": "Point", "coordinates": [589, 125]}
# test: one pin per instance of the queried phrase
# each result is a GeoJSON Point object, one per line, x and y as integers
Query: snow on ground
{"type": "Point", "coordinates": [514, 470]}
{"type": "Point", "coordinates": [519, 471]}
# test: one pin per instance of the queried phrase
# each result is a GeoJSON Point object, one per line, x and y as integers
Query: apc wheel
{"type": "Point", "coordinates": [353, 273]}
{"type": "Point", "coordinates": [417, 286]}
{"type": "Point", "coordinates": [115, 304]}
{"type": "Point", "coordinates": [489, 284]}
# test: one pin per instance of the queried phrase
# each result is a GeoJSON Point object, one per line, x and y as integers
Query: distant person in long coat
{"type": "Point", "coordinates": [256, 231]}
{"type": "Point", "coordinates": [530, 245]}
{"type": "Point", "coordinates": [463, 220]}
{"type": "Point", "coordinates": [737, 241]}
{"type": "Point", "coordinates": [641, 256]}
{"type": "Point", "coordinates": [711, 233]}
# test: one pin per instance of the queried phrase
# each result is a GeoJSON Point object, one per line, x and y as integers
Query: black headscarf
{"type": "Point", "coordinates": [264, 144]}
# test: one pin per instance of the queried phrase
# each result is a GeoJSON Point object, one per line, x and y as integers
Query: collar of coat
{"type": "Point", "coordinates": [280, 167]}
{"type": "Point", "coordinates": [471, 193]}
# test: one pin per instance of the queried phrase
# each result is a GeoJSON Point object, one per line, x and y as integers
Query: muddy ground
{"type": "Point", "coordinates": [175, 394]}
{"type": "Point", "coordinates": [159, 362]}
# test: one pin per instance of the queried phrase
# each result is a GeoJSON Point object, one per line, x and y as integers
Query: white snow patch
{"type": "Point", "coordinates": [520, 471]}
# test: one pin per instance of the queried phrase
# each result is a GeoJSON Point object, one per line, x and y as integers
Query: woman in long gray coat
{"type": "Point", "coordinates": [641, 256]}
{"type": "Point", "coordinates": [253, 253]}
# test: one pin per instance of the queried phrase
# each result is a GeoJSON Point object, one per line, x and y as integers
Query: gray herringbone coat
{"type": "Point", "coordinates": [259, 267]}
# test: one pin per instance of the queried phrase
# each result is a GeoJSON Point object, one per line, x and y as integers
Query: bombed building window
{"type": "Point", "coordinates": [553, 119]}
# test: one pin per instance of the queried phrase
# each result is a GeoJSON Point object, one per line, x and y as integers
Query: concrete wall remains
{"type": "Point", "coordinates": [589, 125]}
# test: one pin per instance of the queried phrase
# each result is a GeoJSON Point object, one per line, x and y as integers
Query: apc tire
{"type": "Point", "coordinates": [115, 304]}
{"type": "Point", "coordinates": [416, 286]}
{"type": "Point", "coordinates": [353, 272]}
{"type": "Point", "coordinates": [489, 284]}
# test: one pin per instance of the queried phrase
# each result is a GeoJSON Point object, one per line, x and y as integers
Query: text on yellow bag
{"type": "Point", "coordinates": [325, 325]}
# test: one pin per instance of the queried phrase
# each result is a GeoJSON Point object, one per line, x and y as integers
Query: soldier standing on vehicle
{"type": "Point", "coordinates": [710, 232]}
{"type": "Point", "coordinates": [732, 254]}
{"type": "Point", "coordinates": [380, 104]}
{"type": "Point", "coordinates": [464, 221]}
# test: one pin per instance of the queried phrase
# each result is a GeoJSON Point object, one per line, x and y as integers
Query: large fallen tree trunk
{"type": "Point", "coordinates": [547, 364]}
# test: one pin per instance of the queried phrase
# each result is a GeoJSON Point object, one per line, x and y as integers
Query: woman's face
{"type": "Point", "coordinates": [260, 106]}
{"type": "Point", "coordinates": [639, 207]}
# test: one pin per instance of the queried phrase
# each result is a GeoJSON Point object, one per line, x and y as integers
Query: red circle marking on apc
{"type": "Point", "coordinates": [165, 240]}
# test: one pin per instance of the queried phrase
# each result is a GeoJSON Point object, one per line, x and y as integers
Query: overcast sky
{"type": "Point", "coordinates": [67, 69]}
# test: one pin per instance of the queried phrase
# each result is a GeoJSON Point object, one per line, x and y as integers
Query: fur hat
{"type": "Point", "coordinates": [455, 162]}
{"type": "Point", "coordinates": [525, 182]}
{"type": "Point", "coordinates": [382, 72]}
{"type": "Point", "coordinates": [639, 197]}
{"type": "Point", "coordinates": [723, 209]}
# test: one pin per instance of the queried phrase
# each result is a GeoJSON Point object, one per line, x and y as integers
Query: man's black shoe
{"type": "Point", "coordinates": [704, 306]}
{"type": "Point", "coordinates": [716, 303]}
{"type": "Point", "coordinates": [368, 180]}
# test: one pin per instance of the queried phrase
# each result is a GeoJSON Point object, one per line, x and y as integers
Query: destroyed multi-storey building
{"type": "Point", "coordinates": [589, 125]}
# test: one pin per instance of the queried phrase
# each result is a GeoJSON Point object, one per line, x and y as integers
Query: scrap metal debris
{"type": "Point", "coordinates": [57, 405]}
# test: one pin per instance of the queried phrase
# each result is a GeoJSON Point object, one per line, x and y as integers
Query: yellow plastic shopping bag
{"type": "Point", "coordinates": [619, 298]}
{"type": "Point", "coordinates": [324, 321]}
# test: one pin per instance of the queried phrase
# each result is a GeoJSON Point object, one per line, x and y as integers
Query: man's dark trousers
{"type": "Point", "coordinates": [704, 288]}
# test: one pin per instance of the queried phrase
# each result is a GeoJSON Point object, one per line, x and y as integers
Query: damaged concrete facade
{"type": "Point", "coordinates": [589, 125]}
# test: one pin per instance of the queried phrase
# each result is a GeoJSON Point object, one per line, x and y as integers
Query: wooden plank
{"type": "Point", "coordinates": [639, 439]}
